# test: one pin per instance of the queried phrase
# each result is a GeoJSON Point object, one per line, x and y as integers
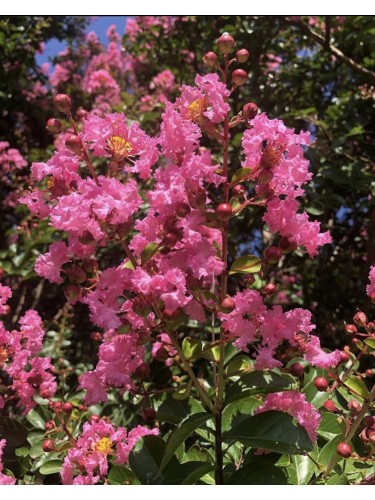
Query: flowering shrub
{"type": "Point", "coordinates": [242, 392]}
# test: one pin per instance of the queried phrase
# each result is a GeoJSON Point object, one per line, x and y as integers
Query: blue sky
{"type": "Point", "coordinates": [99, 24]}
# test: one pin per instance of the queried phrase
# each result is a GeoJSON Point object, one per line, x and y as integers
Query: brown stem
{"type": "Point", "coordinates": [368, 75]}
{"type": "Point", "coordinates": [129, 254]}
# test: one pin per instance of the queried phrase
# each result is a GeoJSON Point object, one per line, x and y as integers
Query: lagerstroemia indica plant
{"type": "Point", "coordinates": [250, 395]}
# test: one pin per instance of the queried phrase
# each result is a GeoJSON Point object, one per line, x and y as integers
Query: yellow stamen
{"type": "Point", "coordinates": [3, 355]}
{"type": "Point", "coordinates": [104, 445]}
{"type": "Point", "coordinates": [119, 147]}
{"type": "Point", "coordinates": [196, 108]}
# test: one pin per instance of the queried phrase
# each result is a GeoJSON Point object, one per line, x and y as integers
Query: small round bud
{"type": "Point", "coordinates": [63, 103]}
{"type": "Point", "coordinates": [94, 418]}
{"type": "Point", "coordinates": [242, 55]}
{"type": "Point", "coordinates": [82, 408]}
{"type": "Point", "coordinates": [354, 406]}
{"type": "Point", "coordinates": [73, 143]}
{"type": "Point", "coordinates": [57, 406]}
{"type": "Point", "coordinates": [170, 240]}
{"type": "Point", "coordinates": [54, 126]}
{"type": "Point", "coordinates": [238, 190]}
{"type": "Point", "coordinates": [250, 110]}
{"type": "Point", "coordinates": [344, 357]}
{"type": "Point", "coordinates": [143, 371]}
{"type": "Point", "coordinates": [272, 255]}
{"type": "Point", "coordinates": [369, 372]}
{"type": "Point", "coordinates": [321, 383]}
{"type": "Point", "coordinates": [161, 354]}
{"type": "Point", "coordinates": [210, 59]}
{"type": "Point", "coordinates": [360, 318]}
{"type": "Point", "coordinates": [371, 326]}
{"type": "Point", "coordinates": [45, 393]}
{"type": "Point", "coordinates": [49, 425]}
{"type": "Point", "coordinates": [224, 212]}
{"type": "Point", "coordinates": [96, 336]}
{"type": "Point", "coordinates": [249, 279]}
{"type": "Point", "coordinates": [182, 210]}
{"type": "Point", "coordinates": [48, 445]}
{"type": "Point", "coordinates": [369, 421]}
{"type": "Point", "coordinates": [287, 246]}
{"type": "Point", "coordinates": [270, 288]}
{"type": "Point", "coordinates": [170, 315]}
{"type": "Point", "coordinates": [344, 450]}
{"type": "Point", "coordinates": [227, 305]}
{"type": "Point", "coordinates": [330, 405]}
{"type": "Point", "coordinates": [297, 369]}
{"type": "Point", "coordinates": [352, 329]}
{"type": "Point", "coordinates": [82, 114]}
{"type": "Point", "coordinates": [239, 77]}
{"type": "Point", "coordinates": [68, 407]}
{"type": "Point", "coordinates": [225, 43]}
{"type": "Point", "coordinates": [149, 414]}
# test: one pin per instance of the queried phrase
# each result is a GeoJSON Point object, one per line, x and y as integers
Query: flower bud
{"type": "Point", "coordinates": [57, 406]}
{"type": "Point", "coordinates": [170, 315]}
{"type": "Point", "coordinates": [54, 126]}
{"type": "Point", "coordinates": [369, 372]}
{"type": "Point", "coordinates": [344, 450]}
{"type": "Point", "coordinates": [330, 405]}
{"type": "Point", "coordinates": [67, 407]}
{"type": "Point", "coordinates": [371, 326]}
{"type": "Point", "coordinates": [227, 305]}
{"type": "Point", "coordinates": [321, 383]}
{"type": "Point", "coordinates": [224, 212]}
{"type": "Point", "coordinates": [143, 371]}
{"type": "Point", "coordinates": [272, 255]}
{"type": "Point", "coordinates": [287, 246]}
{"type": "Point", "coordinates": [360, 318]}
{"type": "Point", "coordinates": [72, 293]}
{"type": "Point", "coordinates": [250, 110]}
{"type": "Point", "coordinates": [344, 357]}
{"type": "Point", "coordinates": [63, 103]}
{"type": "Point", "coordinates": [73, 143]}
{"type": "Point", "coordinates": [297, 369]}
{"type": "Point", "coordinates": [238, 190]}
{"type": "Point", "coordinates": [242, 55]}
{"type": "Point", "coordinates": [239, 77]}
{"type": "Point", "coordinates": [354, 406]}
{"type": "Point", "coordinates": [352, 329]}
{"type": "Point", "coordinates": [210, 59]}
{"type": "Point", "coordinates": [149, 414]}
{"type": "Point", "coordinates": [225, 43]}
{"type": "Point", "coordinates": [369, 421]}
{"type": "Point", "coordinates": [249, 279]}
{"type": "Point", "coordinates": [82, 114]}
{"type": "Point", "coordinates": [161, 354]}
{"type": "Point", "coordinates": [96, 336]}
{"type": "Point", "coordinates": [48, 445]}
{"type": "Point", "coordinates": [270, 288]}
{"type": "Point", "coordinates": [49, 425]}
{"type": "Point", "coordinates": [94, 418]}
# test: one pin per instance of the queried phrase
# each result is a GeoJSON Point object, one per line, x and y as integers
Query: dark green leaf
{"type": "Point", "coordinates": [181, 433]}
{"type": "Point", "coordinates": [120, 475]}
{"type": "Point", "coordinates": [258, 474]}
{"type": "Point", "coordinates": [187, 473]}
{"type": "Point", "coordinates": [331, 426]}
{"type": "Point", "coordinates": [327, 452]}
{"type": "Point", "coordinates": [173, 411]}
{"type": "Point", "coordinates": [13, 431]}
{"type": "Point", "coordinates": [238, 411]}
{"type": "Point", "coordinates": [271, 430]}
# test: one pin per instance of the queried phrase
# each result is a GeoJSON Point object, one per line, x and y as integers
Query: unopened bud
{"type": "Point", "coordinates": [73, 143]}
{"type": "Point", "coordinates": [344, 450]}
{"type": "Point", "coordinates": [297, 369]}
{"type": "Point", "coordinates": [210, 59]}
{"type": "Point", "coordinates": [227, 305]}
{"type": "Point", "coordinates": [286, 245]}
{"type": "Point", "coordinates": [250, 110]}
{"type": "Point", "coordinates": [360, 318]}
{"type": "Point", "coordinates": [161, 354]}
{"type": "Point", "coordinates": [239, 77]}
{"type": "Point", "coordinates": [270, 288]}
{"type": "Point", "coordinates": [321, 383]}
{"type": "Point", "coordinates": [352, 329]}
{"type": "Point", "coordinates": [68, 407]}
{"type": "Point", "coordinates": [48, 445]}
{"type": "Point", "coordinates": [238, 190]}
{"type": "Point", "coordinates": [149, 414]}
{"type": "Point", "coordinates": [224, 211]}
{"type": "Point", "coordinates": [63, 102]}
{"type": "Point", "coordinates": [330, 406]}
{"type": "Point", "coordinates": [272, 255]}
{"type": "Point", "coordinates": [344, 357]}
{"type": "Point", "coordinates": [82, 114]}
{"type": "Point", "coordinates": [143, 371]}
{"type": "Point", "coordinates": [242, 55]}
{"type": "Point", "coordinates": [354, 406]}
{"type": "Point", "coordinates": [225, 43]}
{"type": "Point", "coordinates": [54, 126]}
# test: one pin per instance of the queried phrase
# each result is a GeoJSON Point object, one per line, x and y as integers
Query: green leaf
{"type": "Point", "coordinates": [145, 460]}
{"type": "Point", "coordinates": [263, 473]}
{"type": "Point", "coordinates": [370, 342]}
{"type": "Point", "coordinates": [301, 468]}
{"type": "Point", "coordinates": [327, 452]}
{"type": "Point", "coordinates": [13, 431]}
{"type": "Point", "coordinates": [182, 432]}
{"type": "Point", "coordinates": [149, 251]}
{"type": "Point", "coordinates": [241, 174]}
{"type": "Point", "coordinates": [246, 264]}
{"type": "Point", "coordinates": [191, 347]}
{"type": "Point", "coordinates": [271, 430]}
{"type": "Point", "coordinates": [331, 426]}
{"type": "Point", "coordinates": [51, 467]}
{"type": "Point", "coordinates": [173, 411]}
{"type": "Point", "coordinates": [339, 479]}
{"type": "Point", "coordinates": [120, 475]}
{"type": "Point", "coordinates": [239, 364]}
{"type": "Point", "coordinates": [35, 420]}
{"type": "Point", "coordinates": [182, 392]}
{"type": "Point", "coordinates": [358, 386]}
{"type": "Point", "coordinates": [187, 473]}
{"type": "Point", "coordinates": [238, 411]}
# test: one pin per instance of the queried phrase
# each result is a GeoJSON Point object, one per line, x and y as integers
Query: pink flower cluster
{"type": "Point", "coordinates": [294, 403]}
{"type": "Point", "coordinates": [30, 374]}
{"type": "Point", "coordinates": [88, 461]}
{"type": "Point", "coordinates": [275, 155]}
{"type": "Point", "coordinates": [11, 160]}
{"type": "Point", "coordinates": [5, 295]}
{"type": "Point", "coordinates": [370, 289]}
{"type": "Point", "coordinates": [4, 479]}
